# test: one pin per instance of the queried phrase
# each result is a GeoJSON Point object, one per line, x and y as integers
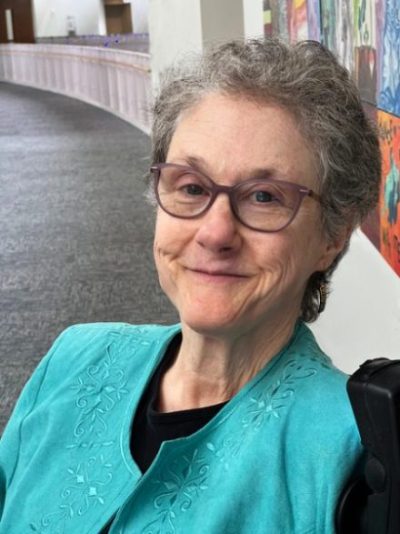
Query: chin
{"type": "Point", "coordinates": [206, 329]}
{"type": "Point", "coordinates": [212, 324]}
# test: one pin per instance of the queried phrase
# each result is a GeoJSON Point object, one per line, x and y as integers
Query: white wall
{"type": "Point", "coordinates": [178, 27]}
{"type": "Point", "coordinates": [221, 20]}
{"type": "Point", "coordinates": [50, 17]}
{"type": "Point", "coordinates": [174, 28]}
{"type": "Point", "coordinates": [253, 18]}
{"type": "Point", "coordinates": [140, 15]}
{"type": "Point", "coordinates": [362, 317]}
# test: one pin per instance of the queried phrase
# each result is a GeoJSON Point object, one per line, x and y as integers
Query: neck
{"type": "Point", "coordinates": [210, 369]}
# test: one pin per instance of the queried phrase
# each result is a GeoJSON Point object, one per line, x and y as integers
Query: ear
{"type": "Point", "coordinates": [332, 248]}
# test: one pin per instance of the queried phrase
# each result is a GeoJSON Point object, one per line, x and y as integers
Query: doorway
{"type": "Point", "coordinates": [118, 18]}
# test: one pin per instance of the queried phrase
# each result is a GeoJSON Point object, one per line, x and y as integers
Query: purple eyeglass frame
{"type": "Point", "coordinates": [216, 189]}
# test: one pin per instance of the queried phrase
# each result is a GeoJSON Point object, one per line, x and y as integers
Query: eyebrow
{"type": "Point", "coordinates": [200, 164]}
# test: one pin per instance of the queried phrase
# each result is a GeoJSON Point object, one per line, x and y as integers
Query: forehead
{"type": "Point", "coordinates": [235, 134]}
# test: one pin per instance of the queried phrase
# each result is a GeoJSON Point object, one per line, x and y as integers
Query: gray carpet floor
{"type": "Point", "coordinates": [76, 233]}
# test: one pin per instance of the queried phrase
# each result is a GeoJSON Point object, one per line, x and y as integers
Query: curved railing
{"type": "Point", "coordinates": [116, 80]}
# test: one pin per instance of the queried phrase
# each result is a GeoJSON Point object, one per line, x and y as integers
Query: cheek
{"type": "Point", "coordinates": [162, 264]}
{"type": "Point", "coordinates": [159, 238]}
{"type": "Point", "coordinates": [171, 234]}
{"type": "Point", "coordinates": [156, 243]}
{"type": "Point", "coordinates": [161, 244]}
{"type": "Point", "coordinates": [272, 250]}
{"type": "Point", "coordinates": [167, 249]}
{"type": "Point", "coordinates": [157, 255]}
{"type": "Point", "coordinates": [285, 256]}
{"type": "Point", "coordinates": [164, 237]}
{"type": "Point", "coordinates": [169, 242]}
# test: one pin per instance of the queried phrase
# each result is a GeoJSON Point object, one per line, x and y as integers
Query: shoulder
{"type": "Point", "coordinates": [322, 402]}
{"type": "Point", "coordinates": [325, 425]}
{"type": "Point", "coordinates": [327, 378]}
{"type": "Point", "coordinates": [319, 434]}
{"type": "Point", "coordinates": [91, 336]}
{"type": "Point", "coordinates": [84, 355]}
{"type": "Point", "coordinates": [83, 348]}
{"type": "Point", "coordinates": [89, 332]}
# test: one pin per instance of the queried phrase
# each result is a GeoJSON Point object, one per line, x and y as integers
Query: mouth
{"type": "Point", "coordinates": [217, 274]}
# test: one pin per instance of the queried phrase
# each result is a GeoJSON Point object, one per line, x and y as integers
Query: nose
{"type": "Point", "coordinates": [218, 227]}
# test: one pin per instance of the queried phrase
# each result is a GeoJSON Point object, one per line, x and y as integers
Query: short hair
{"type": "Point", "coordinates": [307, 80]}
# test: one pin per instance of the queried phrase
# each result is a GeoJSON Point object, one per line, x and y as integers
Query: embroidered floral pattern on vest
{"type": "Point", "coordinates": [271, 402]}
{"type": "Point", "coordinates": [86, 487]}
{"type": "Point", "coordinates": [98, 391]}
{"type": "Point", "coordinates": [179, 486]}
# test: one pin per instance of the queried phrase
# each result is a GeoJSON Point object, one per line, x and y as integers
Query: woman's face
{"type": "Point", "coordinates": [222, 277]}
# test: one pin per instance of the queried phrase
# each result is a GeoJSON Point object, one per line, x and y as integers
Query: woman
{"type": "Point", "coordinates": [233, 421]}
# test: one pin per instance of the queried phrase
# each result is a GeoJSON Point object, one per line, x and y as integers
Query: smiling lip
{"type": "Point", "coordinates": [218, 275]}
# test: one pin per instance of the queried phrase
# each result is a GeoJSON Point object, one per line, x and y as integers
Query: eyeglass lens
{"type": "Point", "coordinates": [260, 204]}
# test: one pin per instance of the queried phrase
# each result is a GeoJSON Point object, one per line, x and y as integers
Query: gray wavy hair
{"type": "Point", "coordinates": [307, 80]}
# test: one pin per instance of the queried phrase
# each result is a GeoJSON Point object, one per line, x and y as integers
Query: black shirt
{"type": "Point", "coordinates": [150, 428]}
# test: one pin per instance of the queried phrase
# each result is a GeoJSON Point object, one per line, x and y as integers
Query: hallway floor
{"type": "Point", "coordinates": [76, 233]}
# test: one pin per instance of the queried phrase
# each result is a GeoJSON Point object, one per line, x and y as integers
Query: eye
{"type": "Point", "coordinates": [193, 189]}
{"type": "Point", "coordinates": [190, 188]}
{"type": "Point", "coordinates": [266, 196]}
{"type": "Point", "coordinates": [263, 196]}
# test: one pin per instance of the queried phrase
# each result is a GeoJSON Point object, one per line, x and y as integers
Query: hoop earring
{"type": "Point", "coordinates": [323, 293]}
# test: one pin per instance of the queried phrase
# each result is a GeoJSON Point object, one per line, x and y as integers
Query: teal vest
{"type": "Point", "coordinates": [272, 461]}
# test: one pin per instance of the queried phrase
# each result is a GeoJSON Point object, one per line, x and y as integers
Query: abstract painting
{"type": "Point", "coordinates": [389, 133]}
{"type": "Point", "coordinates": [314, 20]}
{"type": "Point", "coordinates": [267, 15]}
{"type": "Point", "coordinates": [389, 96]}
{"type": "Point", "coordinates": [277, 12]}
{"type": "Point", "coordinates": [297, 18]}
{"type": "Point", "coordinates": [365, 23]}
{"type": "Point", "coordinates": [345, 33]}
{"type": "Point", "coordinates": [365, 26]}
{"type": "Point", "coordinates": [380, 9]}
{"type": "Point", "coordinates": [372, 225]}
{"type": "Point", "coordinates": [328, 24]}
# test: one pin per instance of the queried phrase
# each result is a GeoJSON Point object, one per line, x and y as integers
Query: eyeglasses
{"type": "Point", "coordinates": [264, 205]}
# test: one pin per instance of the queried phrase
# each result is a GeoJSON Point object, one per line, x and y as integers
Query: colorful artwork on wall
{"type": "Point", "coordinates": [372, 226]}
{"type": "Point", "coordinates": [365, 36]}
{"type": "Point", "coordinates": [365, 72]}
{"type": "Point", "coordinates": [389, 95]}
{"type": "Point", "coordinates": [276, 21]}
{"type": "Point", "coordinates": [314, 20]}
{"type": "Point", "coordinates": [380, 24]}
{"type": "Point", "coordinates": [345, 33]}
{"type": "Point", "coordinates": [328, 23]}
{"type": "Point", "coordinates": [364, 23]}
{"type": "Point", "coordinates": [297, 18]}
{"type": "Point", "coordinates": [279, 17]}
{"type": "Point", "coordinates": [389, 133]}
{"type": "Point", "coordinates": [365, 64]}
{"type": "Point", "coordinates": [267, 15]}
